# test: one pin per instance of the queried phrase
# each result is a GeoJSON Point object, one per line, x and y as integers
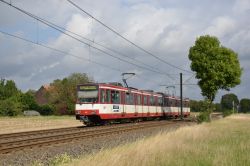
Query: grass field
{"type": "Point", "coordinates": [18, 124]}
{"type": "Point", "coordinates": [220, 143]}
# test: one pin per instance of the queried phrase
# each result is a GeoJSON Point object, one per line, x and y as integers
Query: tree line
{"type": "Point", "coordinates": [61, 97]}
{"type": "Point", "coordinates": [229, 103]}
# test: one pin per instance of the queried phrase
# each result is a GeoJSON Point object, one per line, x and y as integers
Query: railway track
{"type": "Point", "coordinates": [28, 140]}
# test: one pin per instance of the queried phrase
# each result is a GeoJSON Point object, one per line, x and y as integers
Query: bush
{"type": "Point", "coordinates": [227, 112]}
{"type": "Point", "coordinates": [204, 117]}
{"type": "Point", "coordinates": [206, 108]}
{"type": "Point", "coordinates": [28, 102]}
{"type": "Point", "coordinates": [245, 105]}
{"type": "Point", "coordinates": [46, 109]}
{"type": "Point", "coordinates": [10, 107]}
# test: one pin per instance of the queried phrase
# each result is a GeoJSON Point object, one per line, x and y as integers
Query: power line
{"type": "Point", "coordinates": [117, 33]}
{"type": "Point", "coordinates": [60, 51]}
{"type": "Point", "coordinates": [99, 44]}
{"type": "Point", "coordinates": [58, 29]}
{"type": "Point", "coordinates": [189, 78]}
{"type": "Point", "coordinates": [69, 54]}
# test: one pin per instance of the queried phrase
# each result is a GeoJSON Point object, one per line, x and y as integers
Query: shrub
{"type": "Point", "coordinates": [227, 112]}
{"type": "Point", "coordinates": [206, 108]}
{"type": "Point", "coordinates": [28, 102]}
{"type": "Point", "coordinates": [46, 109]}
{"type": "Point", "coordinates": [245, 105]}
{"type": "Point", "coordinates": [10, 107]}
{"type": "Point", "coordinates": [204, 117]}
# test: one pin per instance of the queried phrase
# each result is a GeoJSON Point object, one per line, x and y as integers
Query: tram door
{"type": "Point", "coordinates": [123, 102]}
{"type": "Point", "coordinates": [145, 105]}
{"type": "Point", "coordinates": [139, 105]}
{"type": "Point", "coordinates": [156, 104]}
{"type": "Point", "coordinates": [128, 104]}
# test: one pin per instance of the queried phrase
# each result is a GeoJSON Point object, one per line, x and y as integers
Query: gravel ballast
{"type": "Point", "coordinates": [44, 155]}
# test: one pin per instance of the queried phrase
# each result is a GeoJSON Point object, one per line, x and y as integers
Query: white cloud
{"type": "Point", "coordinates": [221, 26]}
{"type": "Point", "coordinates": [165, 28]}
{"type": "Point", "coordinates": [241, 6]}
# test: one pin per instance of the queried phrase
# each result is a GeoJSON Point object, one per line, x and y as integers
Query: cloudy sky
{"type": "Point", "coordinates": [165, 28]}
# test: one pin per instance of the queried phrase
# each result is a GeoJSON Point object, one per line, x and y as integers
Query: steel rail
{"type": "Point", "coordinates": [8, 147]}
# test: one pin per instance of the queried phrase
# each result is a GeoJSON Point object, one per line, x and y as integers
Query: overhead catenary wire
{"type": "Point", "coordinates": [101, 45]}
{"type": "Point", "coordinates": [129, 41]}
{"type": "Point", "coordinates": [77, 39]}
{"type": "Point", "coordinates": [72, 55]}
{"type": "Point", "coordinates": [189, 78]}
{"type": "Point", "coordinates": [60, 51]}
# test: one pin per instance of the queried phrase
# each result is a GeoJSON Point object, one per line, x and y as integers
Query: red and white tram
{"type": "Point", "coordinates": [106, 103]}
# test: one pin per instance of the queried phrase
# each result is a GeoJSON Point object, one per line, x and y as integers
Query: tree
{"type": "Point", "coordinates": [245, 105]}
{"type": "Point", "coordinates": [229, 102]}
{"type": "Point", "coordinates": [216, 66]}
{"type": "Point", "coordinates": [28, 101]}
{"type": "Point", "coordinates": [46, 109]}
{"type": "Point", "coordinates": [63, 92]}
{"type": "Point", "coordinates": [10, 107]}
{"type": "Point", "coordinates": [217, 107]}
{"type": "Point", "coordinates": [2, 83]}
{"type": "Point", "coordinates": [198, 106]}
{"type": "Point", "coordinates": [8, 89]}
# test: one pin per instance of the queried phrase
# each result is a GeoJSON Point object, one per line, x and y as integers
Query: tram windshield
{"type": "Point", "coordinates": [87, 94]}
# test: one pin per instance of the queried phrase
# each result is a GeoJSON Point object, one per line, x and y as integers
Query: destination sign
{"type": "Point", "coordinates": [87, 87]}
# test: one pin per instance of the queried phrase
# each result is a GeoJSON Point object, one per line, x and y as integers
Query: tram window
{"type": "Point", "coordinates": [127, 98]}
{"type": "Point", "coordinates": [160, 101]}
{"type": "Point", "coordinates": [118, 95]}
{"type": "Point", "coordinates": [102, 96]}
{"type": "Point", "coordinates": [135, 98]}
{"type": "Point", "coordinates": [139, 99]}
{"type": "Point", "coordinates": [115, 97]}
{"type": "Point", "coordinates": [151, 100]}
{"type": "Point", "coordinates": [107, 96]}
{"type": "Point", "coordinates": [131, 97]}
{"type": "Point", "coordinates": [145, 101]}
{"type": "Point", "coordinates": [167, 102]}
{"type": "Point", "coordinates": [170, 103]}
{"type": "Point", "coordinates": [156, 101]}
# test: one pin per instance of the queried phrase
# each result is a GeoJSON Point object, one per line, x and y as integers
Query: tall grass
{"type": "Point", "coordinates": [223, 142]}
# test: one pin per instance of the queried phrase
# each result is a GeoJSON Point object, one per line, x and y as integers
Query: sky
{"type": "Point", "coordinates": [165, 28]}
